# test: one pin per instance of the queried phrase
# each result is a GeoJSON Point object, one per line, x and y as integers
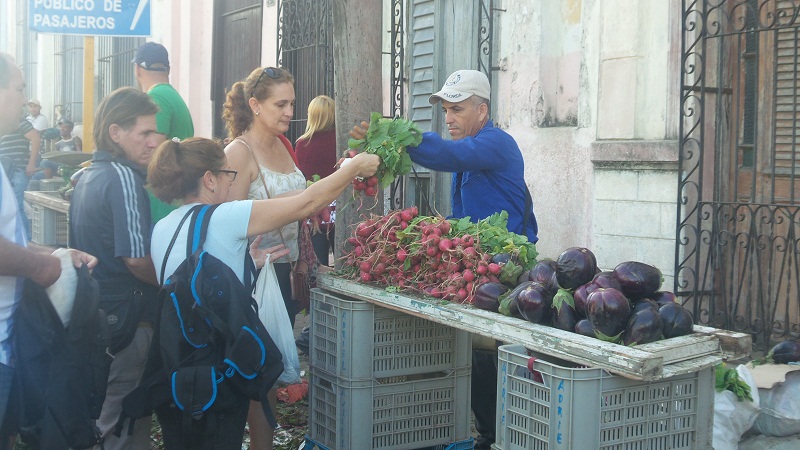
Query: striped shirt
{"type": "Point", "coordinates": [110, 214]}
{"type": "Point", "coordinates": [16, 146]}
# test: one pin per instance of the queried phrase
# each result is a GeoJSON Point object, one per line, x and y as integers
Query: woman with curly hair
{"type": "Point", "coordinates": [257, 112]}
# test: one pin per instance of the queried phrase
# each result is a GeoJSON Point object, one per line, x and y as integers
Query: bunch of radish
{"type": "Point", "coordinates": [419, 253]}
{"type": "Point", "coordinates": [369, 185]}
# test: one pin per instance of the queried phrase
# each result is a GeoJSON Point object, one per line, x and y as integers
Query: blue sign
{"type": "Point", "coordinates": [90, 17]}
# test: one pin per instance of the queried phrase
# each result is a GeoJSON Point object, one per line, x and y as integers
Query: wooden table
{"type": "Point", "coordinates": [706, 347]}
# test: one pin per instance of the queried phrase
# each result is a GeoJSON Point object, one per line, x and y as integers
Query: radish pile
{"type": "Point", "coordinates": [430, 254]}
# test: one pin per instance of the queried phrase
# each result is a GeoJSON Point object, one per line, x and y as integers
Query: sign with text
{"type": "Point", "coordinates": [90, 17]}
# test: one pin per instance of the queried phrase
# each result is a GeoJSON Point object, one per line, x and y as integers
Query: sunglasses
{"type": "Point", "coordinates": [232, 173]}
{"type": "Point", "coordinates": [271, 72]}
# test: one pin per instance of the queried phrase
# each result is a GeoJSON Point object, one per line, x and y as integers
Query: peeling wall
{"type": "Point", "coordinates": [573, 75]}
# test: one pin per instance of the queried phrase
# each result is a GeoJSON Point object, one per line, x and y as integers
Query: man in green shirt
{"type": "Point", "coordinates": [173, 120]}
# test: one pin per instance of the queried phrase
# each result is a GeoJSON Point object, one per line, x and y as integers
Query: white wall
{"type": "Point", "coordinates": [599, 159]}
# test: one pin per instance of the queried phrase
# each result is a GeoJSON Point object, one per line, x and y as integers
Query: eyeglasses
{"type": "Point", "coordinates": [271, 72]}
{"type": "Point", "coordinates": [232, 173]}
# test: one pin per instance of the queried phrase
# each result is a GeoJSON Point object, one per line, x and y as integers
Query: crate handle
{"type": "Point", "coordinates": [324, 307]}
{"type": "Point", "coordinates": [537, 376]}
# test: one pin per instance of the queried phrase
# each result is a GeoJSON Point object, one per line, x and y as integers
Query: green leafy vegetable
{"type": "Point", "coordinates": [388, 139]}
{"type": "Point", "coordinates": [728, 379]}
{"type": "Point", "coordinates": [493, 235]}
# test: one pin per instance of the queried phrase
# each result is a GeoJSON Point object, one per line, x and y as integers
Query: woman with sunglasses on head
{"type": "Point", "coordinates": [257, 112]}
{"type": "Point", "coordinates": [196, 171]}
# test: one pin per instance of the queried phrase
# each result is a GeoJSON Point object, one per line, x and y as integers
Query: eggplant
{"type": "Point", "coordinates": [644, 303]}
{"type": "Point", "coordinates": [606, 280]}
{"type": "Point", "coordinates": [663, 297]}
{"type": "Point", "coordinates": [487, 296]}
{"type": "Point", "coordinates": [508, 300]}
{"type": "Point", "coordinates": [501, 258]}
{"type": "Point", "coordinates": [575, 266]}
{"type": "Point", "coordinates": [544, 272]}
{"type": "Point", "coordinates": [609, 311]}
{"type": "Point", "coordinates": [638, 279]}
{"type": "Point", "coordinates": [581, 295]}
{"type": "Point", "coordinates": [584, 327]}
{"type": "Point", "coordinates": [676, 320]}
{"type": "Point", "coordinates": [643, 327]}
{"type": "Point", "coordinates": [563, 313]}
{"type": "Point", "coordinates": [785, 352]}
{"type": "Point", "coordinates": [534, 304]}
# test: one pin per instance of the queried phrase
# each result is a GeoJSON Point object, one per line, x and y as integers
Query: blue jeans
{"type": "Point", "coordinates": [19, 181]}
{"type": "Point", "coordinates": [6, 378]}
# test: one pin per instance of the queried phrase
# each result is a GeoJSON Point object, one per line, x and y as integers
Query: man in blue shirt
{"type": "Point", "coordinates": [488, 177]}
{"type": "Point", "coordinates": [487, 165]}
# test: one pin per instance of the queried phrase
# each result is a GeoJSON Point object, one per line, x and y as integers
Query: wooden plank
{"type": "Point", "coordinates": [626, 361]}
{"type": "Point", "coordinates": [691, 365]}
{"type": "Point", "coordinates": [48, 199]}
{"type": "Point", "coordinates": [647, 362]}
{"type": "Point", "coordinates": [683, 348]}
{"type": "Point", "coordinates": [733, 345]}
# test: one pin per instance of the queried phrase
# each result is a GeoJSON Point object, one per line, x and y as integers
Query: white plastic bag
{"type": "Point", "coordinates": [732, 418]}
{"type": "Point", "coordinates": [780, 408]}
{"type": "Point", "coordinates": [273, 315]}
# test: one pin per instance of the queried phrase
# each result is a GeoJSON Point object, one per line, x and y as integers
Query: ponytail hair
{"type": "Point", "coordinates": [177, 167]}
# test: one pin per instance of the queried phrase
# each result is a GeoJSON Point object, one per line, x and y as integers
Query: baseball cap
{"type": "Point", "coordinates": [461, 85]}
{"type": "Point", "coordinates": [35, 102]}
{"type": "Point", "coordinates": [67, 122]}
{"type": "Point", "coordinates": [152, 56]}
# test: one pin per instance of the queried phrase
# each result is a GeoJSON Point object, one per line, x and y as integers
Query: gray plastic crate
{"type": "Point", "coordinates": [414, 413]}
{"type": "Point", "coordinates": [560, 406]}
{"type": "Point", "coordinates": [48, 227]}
{"type": "Point", "coordinates": [354, 339]}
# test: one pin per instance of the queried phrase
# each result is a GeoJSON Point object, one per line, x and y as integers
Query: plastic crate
{"type": "Point", "coordinates": [466, 444]}
{"type": "Point", "coordinates": [48, 226]}
{"type": "Point", "coordinates": [562, 407]}
{"type": "Point", "coordinates": [411, 414]}
{"type": "Point", "coordinates": [357, 340]}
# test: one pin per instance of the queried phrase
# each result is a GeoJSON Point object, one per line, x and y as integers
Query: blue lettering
{"type": "Point", "coordinates": [561, 385]}
{"type": "Point", "coordinates": [560, 412]}
{"type": "Point", "coordinates": [558, 438]}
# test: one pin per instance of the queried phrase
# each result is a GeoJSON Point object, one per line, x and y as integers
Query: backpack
{"type": "Point", "coordinates": [61, 373]}
{"type": "Point", "coordinates": [209, 347]}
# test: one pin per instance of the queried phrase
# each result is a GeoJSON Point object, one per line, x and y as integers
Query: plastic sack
{"type": "Point", "coordinates": [732, 418]}
{"type": "Point", "coordinates": [780, 408]}
{"type": "Point", "coordinates": [273, 315]}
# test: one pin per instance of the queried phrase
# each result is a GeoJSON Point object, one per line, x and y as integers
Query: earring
{"type": "Point", "coordinates": [213, 190]}
{"type": "Point", "coordinates": [258, 112]}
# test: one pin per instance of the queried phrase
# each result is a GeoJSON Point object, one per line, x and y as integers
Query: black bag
{"type": "Point", "coordinates": [124, 300]}
{"type": "Point", "coordinates": [209, 348]}
{"type": "Point", "coordinates": [61, 373]}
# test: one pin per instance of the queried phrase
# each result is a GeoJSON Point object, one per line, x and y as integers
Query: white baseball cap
{"type": "Point", "coordinates": [461, 85]}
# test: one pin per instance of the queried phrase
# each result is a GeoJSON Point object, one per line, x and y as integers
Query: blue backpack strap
{"type": "Point", "coordinates": [174, 238]}
{"type": "Point", "coordinates": [199, 228]}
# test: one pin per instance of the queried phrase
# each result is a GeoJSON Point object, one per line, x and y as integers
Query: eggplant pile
{"type": "Point", "coordinates": [623, 306]}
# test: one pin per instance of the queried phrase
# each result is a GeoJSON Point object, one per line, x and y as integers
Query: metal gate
{"type": "Point", "coordinates": [305, 48]}
{"type": "Point", "coordinates": [738, 231]}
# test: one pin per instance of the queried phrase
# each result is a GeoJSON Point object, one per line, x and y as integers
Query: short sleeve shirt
{"type": "Point", "coordinates": [173, 118]}
{"type": "Point", "coordinates": [226, 237]}
{"type": "Point", "coordinates": [16, 146]}
{"type": "Point", "coordinates": [110, 214]}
